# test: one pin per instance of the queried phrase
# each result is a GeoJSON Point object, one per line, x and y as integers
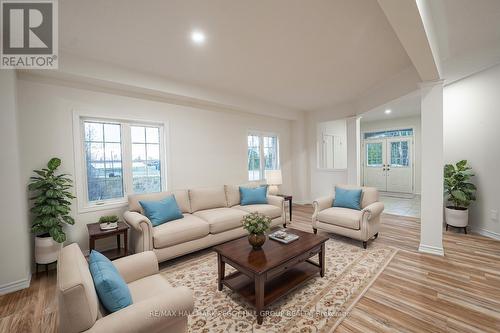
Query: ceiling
{"type": "Point", "coordinates": [406, 106]}
{"type": "Point", "coordinates": [463, 26]}
{"type": "Point", "coordinates": [302, 55]}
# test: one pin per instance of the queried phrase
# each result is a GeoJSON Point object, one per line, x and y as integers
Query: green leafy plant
{"type": "Point", "coordinates": [108, 219]}
{"type": "Point", "coordinates": [256, 223]}
{"type": "Point", "coordinates": [51, 201]}
{"type": "Point", "coordinates": [457, 186]}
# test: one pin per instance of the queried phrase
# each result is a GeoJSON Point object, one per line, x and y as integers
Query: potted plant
{"type": "Point", "coordinates": [459, 192]}
{"type": "Point", "coordinates": [51, 210]}
{"type": "Point", "coordinates": [256, 224]}
{"type": "Point", "coordinates": [108, 222]}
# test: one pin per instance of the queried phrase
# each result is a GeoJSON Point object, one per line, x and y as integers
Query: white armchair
{"type": "Point", "coordinates": [157, 306]}
{"type": "Point", "coordinates": [357, 224]}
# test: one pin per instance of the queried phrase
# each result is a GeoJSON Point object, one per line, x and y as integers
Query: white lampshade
{"type": "Point", "coordinates": [273, 177]}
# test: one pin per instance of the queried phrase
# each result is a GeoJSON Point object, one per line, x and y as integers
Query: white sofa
{"type": "Point", "coordinates": [357, 224]}
{"type": "Point", "coordinates": [211, 216]}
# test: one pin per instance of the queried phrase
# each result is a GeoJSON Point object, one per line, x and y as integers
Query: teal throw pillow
{"type": "Point", "coordinates": [347, 198]}
{"type": "Point", "coordinates": [159, 212]}
{"type": "Point", "coordinates": [253, 196]}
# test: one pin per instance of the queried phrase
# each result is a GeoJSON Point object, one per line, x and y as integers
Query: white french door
{"type": "Point", "coordinates": [388, 164]}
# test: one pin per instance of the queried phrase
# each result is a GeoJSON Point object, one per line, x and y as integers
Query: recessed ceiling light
{"type": "Point", "coordinates": [198, 37]}
{"type": "Point", "coordinates": [388, 111]}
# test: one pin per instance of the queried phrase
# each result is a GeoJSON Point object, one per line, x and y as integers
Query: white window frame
{"type": "Point", "coordinates": [261, 134]}
{"type": "Point", "coordinates": [84, 205]}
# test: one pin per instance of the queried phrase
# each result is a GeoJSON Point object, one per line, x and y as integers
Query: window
{"type": "Point", "coordinates": [121, 158]}
{"type": "Point", "coordinates": [263, 154]}
{"type": "Point", "coordinates": [374, 154]}
{"type": "Point", "coordinates": [389, 134]}
{"type": "Point", "coordinates": [399, 154]}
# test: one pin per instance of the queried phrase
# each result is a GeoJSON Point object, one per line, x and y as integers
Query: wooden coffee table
{"type": "Point", "coordinates": [263, 276]}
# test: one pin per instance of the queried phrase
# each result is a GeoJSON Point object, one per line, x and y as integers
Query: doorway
{"type": "Point", "coordinates": [388, 161]}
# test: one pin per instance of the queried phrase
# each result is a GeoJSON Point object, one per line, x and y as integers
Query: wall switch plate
{"type": "Point", "coordinates": [494, 214]}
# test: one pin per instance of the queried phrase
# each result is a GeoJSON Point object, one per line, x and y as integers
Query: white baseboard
{"type": "Point", "coordinates": [487, 233]}
{"type": "Point", "coordinates": [15, 286]}
{"type": "Point", "coordinates": [438, 251]}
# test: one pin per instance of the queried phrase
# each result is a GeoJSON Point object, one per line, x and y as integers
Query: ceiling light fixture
{"type": "Point", "coordinates": [388, 111]}
{"type": "Point", "coordinates": [198, 37]}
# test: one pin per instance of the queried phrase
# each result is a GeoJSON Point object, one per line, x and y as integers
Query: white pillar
{"type": "Point", "coordinates": [353, 150]}
{"type": "Point", "coordinates": [431, 225]}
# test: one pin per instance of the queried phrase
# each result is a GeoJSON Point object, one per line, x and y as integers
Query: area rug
{"type": "Point", "coordinates": [319, 305]}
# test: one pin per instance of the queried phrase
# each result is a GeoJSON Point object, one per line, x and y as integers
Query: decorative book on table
{"type": "Point", "coordinates": [283, 236]}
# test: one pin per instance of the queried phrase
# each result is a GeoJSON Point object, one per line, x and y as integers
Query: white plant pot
{"type": "Point", "coordinates": [456, 217]}
{"type": "Point", "coordinates": [46, 250]}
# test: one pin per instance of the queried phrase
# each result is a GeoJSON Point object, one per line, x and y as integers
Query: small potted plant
{"type": "Point", "coordinates": [51, 210]}
{"type": "Point", "coordinates": [256, 224]}
{"type": "Point", "coordinates": [108, 222]}
{"type": "Point", "coordinates": [459, 192]}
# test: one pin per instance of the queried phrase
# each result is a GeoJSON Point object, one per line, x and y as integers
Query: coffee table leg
{"type": "Point", "coordinates": [221, 265]}
{"type": "Point", "coordinates": [322, 260]}
{"type": "Point", "coordinates": [259, 298]}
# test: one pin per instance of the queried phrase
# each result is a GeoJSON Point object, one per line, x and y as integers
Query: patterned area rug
{"type": "Point", "coordinates": [319, 305]}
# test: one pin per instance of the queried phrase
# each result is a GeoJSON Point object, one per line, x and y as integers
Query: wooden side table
{"type": "Point", "coordinates": [289, 199]}
{"type": "Point", "coordinates": [95, 232]}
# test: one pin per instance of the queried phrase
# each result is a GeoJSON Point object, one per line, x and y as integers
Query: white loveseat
{"type": "Point", "coordinates": [211, 216]}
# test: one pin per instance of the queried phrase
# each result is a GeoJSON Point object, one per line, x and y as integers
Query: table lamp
{"type": "Point", "coordinates": [273, 179]}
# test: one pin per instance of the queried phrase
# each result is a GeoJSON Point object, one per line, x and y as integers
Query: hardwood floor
{"type": "Point", "coordinates": [459, 292]}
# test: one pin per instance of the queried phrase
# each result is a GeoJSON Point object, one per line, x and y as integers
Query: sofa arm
{"type": "Point", "coordinates": [141, 231]}
{"type": "Point", "coordinates": [137, 266]}
{"type": "Point", "coordinates": [150, 315]}
{"type": "Point", "coordinates": [275, 201]}
{"type": "Point", "coordinates": [373, 210]}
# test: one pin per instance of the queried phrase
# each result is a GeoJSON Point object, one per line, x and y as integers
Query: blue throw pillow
{"type": "Point", "coordinates": [112, 290]}
{"type": "Point", "coordinates": [347, 198]}
{"type": "Point", "coordinates": [159, 212]}
{"type": "Point", "coordinates": [253, 196]}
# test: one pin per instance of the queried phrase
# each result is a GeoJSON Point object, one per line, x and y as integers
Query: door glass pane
{"type": "Point", "coordinates": [399, 154]}
{"type": "Point", "coordinates": [146, 164]}
{"type": "Point", "coordinates": [374, 154]}
{"type": "Point", "coordinates": [253, 157]}
{"type": "Point", "coordinates": [103, 160]}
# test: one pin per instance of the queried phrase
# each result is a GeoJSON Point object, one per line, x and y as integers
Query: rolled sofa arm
{"type": "Point", "coordinates": [321, 204]}
{"type": "Point", "coordinates": [137, 266]}
{"type": "Point", "coordinates": [150, 315]}
{"type": "Point", "coordinates": [278, 202]}
{"type": "Point", "coordinates": [373, 210]}
{"type": "Point", "coordinates": [141, 231]}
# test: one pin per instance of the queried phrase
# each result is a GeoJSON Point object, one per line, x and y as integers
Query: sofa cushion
{"type": "Point", "coordinates": [253, 196]}
{"type": "Point", "coordinates": [222, 219]}
{"type": "Point", "coordinates": [112, 290]}
{"type": "Point", "coordinates": [343, 217]}
{"type": "Point", "coordinates": [207, 198]}
{"type": "Point", "coordinates": [233, 193]}
{"type": "Point", "coordinates": [369, 196]}
{"type": "Point", "coordinates": [148, 287]}
{"type": "Point", "coordinates": [181, 197]}
{"type": "Point", "coordinates": [268, 210]}
{"type": "Point", "coordinates": [179, 231]}
{"type": "Point", "coordinates": [162, 211]}
{"type": "Point", "coordinates": [348, 198]}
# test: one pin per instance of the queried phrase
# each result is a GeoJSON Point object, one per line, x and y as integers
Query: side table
{"type": "Point", "coordinates": [95, 232]}
{"type": "Point", "coordinates": [289, 199]}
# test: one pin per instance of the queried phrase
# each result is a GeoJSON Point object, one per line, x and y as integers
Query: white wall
{"type": "Point", "coordinates": [15, 243]}
{"type": "Point", "coordinates": [399, 123]}
{"type": "Point", "coordinates": [472, 132]}
{"type": "Point", "coordinates": [206, 147]}
{"type": "Point", "coordinates": [337, 128]}
{"type": "Point", "coordinates": [322, 181]}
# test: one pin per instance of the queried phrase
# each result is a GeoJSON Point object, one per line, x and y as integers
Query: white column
{"type": "Point", "coordinates": [431, 225]}
{"type": "Point", "coordinates": [353, 150]}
